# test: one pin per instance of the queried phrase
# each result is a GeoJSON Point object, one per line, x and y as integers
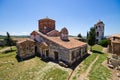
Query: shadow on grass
{"type": "Point", "coordinates": [21, 59]}
{"type": "Point", "coordinates": [8, 51]}
{"type": "Point", "coordinates": [74, 65]}
{"type": "Point", "coordinates": [95, 51]}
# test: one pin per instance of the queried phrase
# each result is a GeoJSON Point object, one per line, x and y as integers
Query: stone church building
{"type": "Point", "coordinates": [50, 43]}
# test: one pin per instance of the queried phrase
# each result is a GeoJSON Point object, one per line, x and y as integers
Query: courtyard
{"type": "Point", "coordinates": [91, 68]}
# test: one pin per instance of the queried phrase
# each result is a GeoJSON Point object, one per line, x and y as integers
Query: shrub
{"type": "Point", "coordinates": [104, 42]}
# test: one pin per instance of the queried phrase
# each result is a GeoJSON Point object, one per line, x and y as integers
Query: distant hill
{"type": "Point", "coordinates": [20, 36]}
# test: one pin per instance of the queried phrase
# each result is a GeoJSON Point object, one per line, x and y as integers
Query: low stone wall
{"type": "Point", "coordinates": [114, 61]}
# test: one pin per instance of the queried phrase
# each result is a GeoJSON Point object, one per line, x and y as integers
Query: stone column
{"type": "Point", "coordinates": [108, 59]}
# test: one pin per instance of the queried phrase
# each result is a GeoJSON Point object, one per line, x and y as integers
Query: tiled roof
{"type": "Point", "coordinates": [100, 22]}
{"type": "Point", "coordinates": [47, 19]}
{"type": "Point", "coordinates": [53, 33]}
{"type": "Point", "coordinates": [28, 39]}
{"type": "Point", "coordinates": [116, 35]}
{"type": "Point", "coordinates": [72, 43]}
{"type": "Point", "coordinates": [19, 39]}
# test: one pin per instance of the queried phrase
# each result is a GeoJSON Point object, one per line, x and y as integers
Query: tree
{"type": "Point", "coordinates": [87, 34]}
{"type": "Point", "coordinates": [9, 41]}
{"type": "Point", "coordinates": [91, 37]}
{"type": "Point", "coordinates": [104, 42]}
{"type": "Point", "coordinates": [79, 35]}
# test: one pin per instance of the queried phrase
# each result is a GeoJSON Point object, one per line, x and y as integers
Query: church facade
{"type": "Point", "coordinates": [56, 45]}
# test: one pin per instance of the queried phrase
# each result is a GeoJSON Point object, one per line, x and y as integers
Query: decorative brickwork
{"type": "Point", "coordinates": [46, 25]}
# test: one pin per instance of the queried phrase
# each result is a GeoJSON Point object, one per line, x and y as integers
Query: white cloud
{"type": "Point", "coordinates": [2, 33]}
{"type": "Point", "coordinates": [13, 33]}
{"type": "Point", "coordinates": [25, 33]}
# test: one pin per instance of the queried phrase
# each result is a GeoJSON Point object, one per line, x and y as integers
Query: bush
{"type": "Point", "coordinates": [104, 42]}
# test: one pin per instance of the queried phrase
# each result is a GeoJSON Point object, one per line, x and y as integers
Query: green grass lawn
{"type": "Point", "coordinates": [99, 72]}
{"type": "Point", "coordinates": [32, 69]}
{"type": "Point", "coordinates": [53, 74]}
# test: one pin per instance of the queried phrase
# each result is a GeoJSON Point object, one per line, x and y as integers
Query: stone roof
{"type": "Point", "coordinates": [100, 22]}
{"type": "Point", "coordinates": [116, 35]}
{"type": "Point", "coordinates": [72, 43]}
{"type": "Point", "coordinates": [64, 30]}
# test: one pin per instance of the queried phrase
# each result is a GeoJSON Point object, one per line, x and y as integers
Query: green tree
{"type": "Point", "coordinates": [9, 41]}
{"type": "Point", "coordinates": [91, 37]}
{"type": "Point", "coordinates": [87, 34]}
{"type": "Point", "coordinates": [79, 35]}
{"type": "Point", "coordinates": [104, 42]}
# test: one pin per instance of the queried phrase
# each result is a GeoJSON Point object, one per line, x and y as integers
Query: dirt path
{"type": "Point", "coordinates": [85, 74]}
{"type": "Point", "coordinates": [104, 50]}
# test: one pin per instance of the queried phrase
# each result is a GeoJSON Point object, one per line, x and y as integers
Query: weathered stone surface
{"type": "Point", "coordinates": [26, 48]}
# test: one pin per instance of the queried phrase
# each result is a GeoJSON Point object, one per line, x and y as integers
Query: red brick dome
{"type": "Point", "coordinates": [46, 19]}
{"type": "Point", "coordinates": [64, 30]}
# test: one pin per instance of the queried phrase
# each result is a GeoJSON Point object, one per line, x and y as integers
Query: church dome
{"type": "Point", "coordinates": [64, 31]}
{"type": "Point", "coordinates": [64, 34]}
{"type": "Point", "coordinates": [46, 19]}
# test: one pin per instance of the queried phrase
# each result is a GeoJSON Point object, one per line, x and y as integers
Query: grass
{"type": "Point", "coordinates": [2, 47]}
{"type": "Point", "coordinates": [51, 74]}
{"type": "Point", "coordinates": [32, 69]}
{"type": "Point", "coordinates": [98, 71]}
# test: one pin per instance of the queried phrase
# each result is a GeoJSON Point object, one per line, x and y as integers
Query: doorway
{"type": "Point", "coordinates": [35, 49]}
{"type": "Point", "coordinates": [47, 53]}
{"type": "Point", "coordinates": [56, 55]}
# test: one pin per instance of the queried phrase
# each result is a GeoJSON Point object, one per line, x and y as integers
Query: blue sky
{"type": "Point", "coordinates": [20, 17]}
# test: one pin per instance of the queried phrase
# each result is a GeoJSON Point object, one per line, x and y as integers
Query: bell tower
{"type": "Point", "coordinates": [46, 25]}
{"type": "Point", "coordinates": [99, 29]}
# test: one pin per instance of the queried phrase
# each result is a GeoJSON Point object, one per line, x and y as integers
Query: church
{"type": "Point", "coordinates": [50, 43]}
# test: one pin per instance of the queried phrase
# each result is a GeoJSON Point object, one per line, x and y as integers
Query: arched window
{"type": "Point", "coordinates": [97, 33]}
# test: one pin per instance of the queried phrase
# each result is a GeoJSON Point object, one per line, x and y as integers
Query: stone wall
{"type": "Point", "coordinates": [77, 53]}
{"type": "Point", "coordinates": [116, 48]}
{"type": "Point", "coordinates": [26, 49]}
{"type": "Point", "coordinates": [64, 54]}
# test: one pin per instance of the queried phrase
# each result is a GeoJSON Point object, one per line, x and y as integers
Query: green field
{"type": "Point", "coordinates": [32, 69]}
